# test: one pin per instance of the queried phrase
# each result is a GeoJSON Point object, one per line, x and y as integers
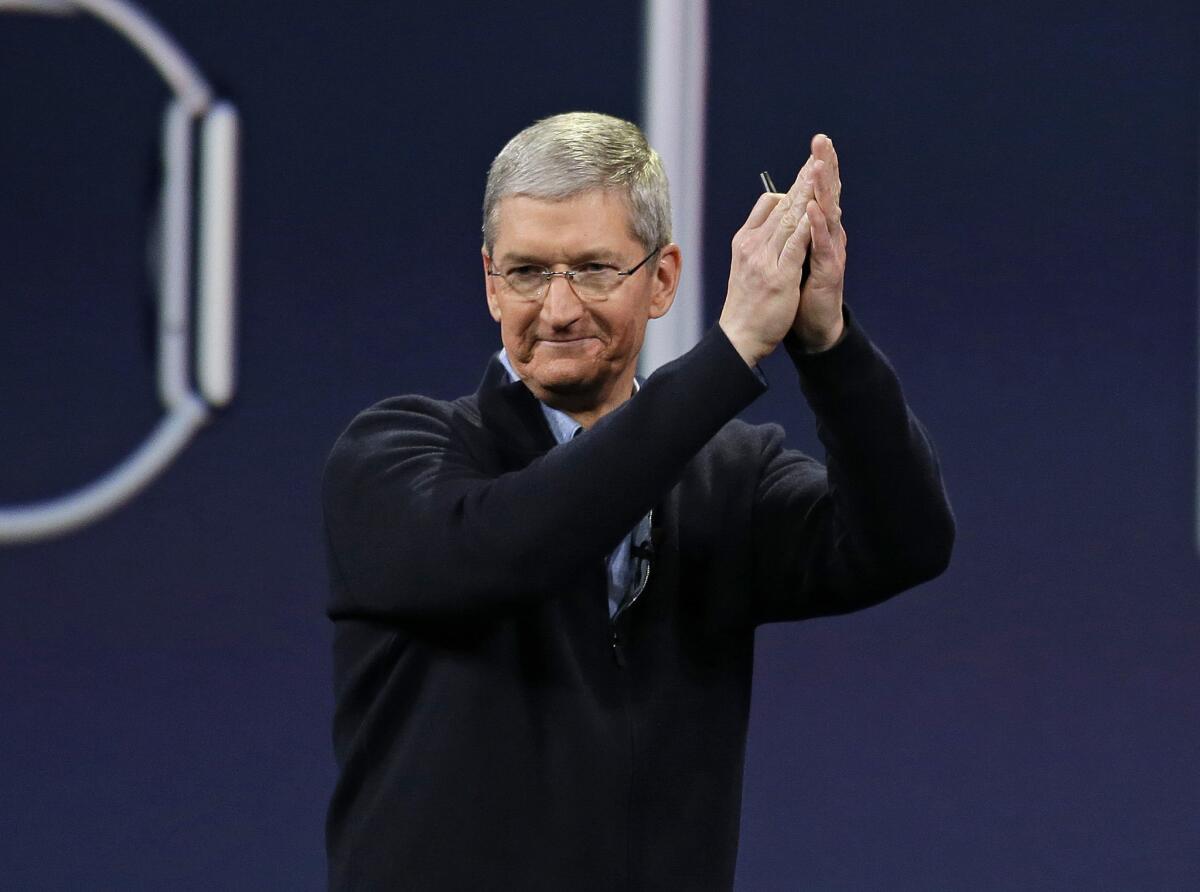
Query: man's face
{"type": "Point", "coordinates": [575, 354]}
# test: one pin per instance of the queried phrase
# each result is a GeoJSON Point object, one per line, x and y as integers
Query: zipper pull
{"type": "Point", "coordinates": [618, 653]}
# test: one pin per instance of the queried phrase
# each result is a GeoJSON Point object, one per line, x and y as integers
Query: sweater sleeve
{"type": "Point", "coordinates": [418, 529]}
{"type": "Point", "coordinates": [875, 520]}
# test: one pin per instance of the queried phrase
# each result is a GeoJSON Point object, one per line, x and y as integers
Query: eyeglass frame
{"type": "Point", "coordinates": [569, 275]}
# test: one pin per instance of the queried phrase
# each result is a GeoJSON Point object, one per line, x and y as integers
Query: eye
{"type": "Point", "coordinates": [527, 269]}
{"type": "Point", "coordinates": [593, 267]}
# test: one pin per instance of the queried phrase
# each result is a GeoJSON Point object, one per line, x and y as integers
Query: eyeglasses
{"type": "Point", "coordinates": [591, 281]}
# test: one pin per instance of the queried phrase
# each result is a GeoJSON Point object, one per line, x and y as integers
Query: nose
{"type": "Point", "coordinates": [561, 306]}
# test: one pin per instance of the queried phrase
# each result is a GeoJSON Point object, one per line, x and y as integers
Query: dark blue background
{"type": "Point", "coordinates": [1021, 198]}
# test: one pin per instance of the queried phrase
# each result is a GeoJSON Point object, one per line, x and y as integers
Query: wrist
{"type": "Point", "coordinates": [747, 347]}
{"type": "Point", "coordinates": [818, 340]}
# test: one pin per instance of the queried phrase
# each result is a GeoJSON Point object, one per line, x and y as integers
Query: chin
{"type": "Point", "coordinates": [573, 390]}
{"type": "Point", "coordinates": [562, 374]}
{"type": "Point", "coordinates": [564, 384]}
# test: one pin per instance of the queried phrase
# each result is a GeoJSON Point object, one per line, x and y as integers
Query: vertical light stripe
{"type": "Point", "coordinates": [174, 286]}
{"type": "Point", "coordinates": [673, 110]}
{"type": "Point", "coordinates": [217, 293]}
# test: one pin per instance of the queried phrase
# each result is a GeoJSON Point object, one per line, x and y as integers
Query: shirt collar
{"type": "Point", "coordinates": [562, 425]}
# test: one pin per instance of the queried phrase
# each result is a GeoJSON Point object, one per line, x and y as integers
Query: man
{"type": "Point", "coordinates": [545, 593]}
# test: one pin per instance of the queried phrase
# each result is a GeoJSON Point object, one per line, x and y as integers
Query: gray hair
{"type": "Point", "coordinates": [563, 155]}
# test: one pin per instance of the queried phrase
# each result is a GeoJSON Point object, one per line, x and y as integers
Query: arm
{"type": "Point", "coordinates": [875, 521]}
{"type": "Point", "coordinates": [419, 529]}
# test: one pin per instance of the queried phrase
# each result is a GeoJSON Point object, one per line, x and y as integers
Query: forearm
{"type": "Point", "coordinates": [883, 472]}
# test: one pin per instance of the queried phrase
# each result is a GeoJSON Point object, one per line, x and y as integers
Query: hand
{"type": "Point", "coordinates": [818, 323]}
{"type": "Point", "coordinates": [763, 298]}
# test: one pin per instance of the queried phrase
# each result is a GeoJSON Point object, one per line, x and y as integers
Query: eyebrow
{"type": "Point", "coordinates": [601, 256]}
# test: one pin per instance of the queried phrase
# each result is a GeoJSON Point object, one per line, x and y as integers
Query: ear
{"type": "Point", "coordinates": [489, 286]}
{"type": "Point", "coordinates": [667, 267]}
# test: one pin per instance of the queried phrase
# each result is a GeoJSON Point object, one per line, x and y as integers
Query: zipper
{"type": "Point", "coordinates": [618, 653]}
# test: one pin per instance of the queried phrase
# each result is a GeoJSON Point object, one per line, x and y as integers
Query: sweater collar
{"type": "Point", "coordinates": [513, 415]}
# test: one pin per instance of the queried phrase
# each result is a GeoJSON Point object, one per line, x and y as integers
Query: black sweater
{"type": "Point", "coordinates": [494, 729]}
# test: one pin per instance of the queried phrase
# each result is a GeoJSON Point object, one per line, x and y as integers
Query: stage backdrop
{"type": "Point", "coordinates": [1021, 199]}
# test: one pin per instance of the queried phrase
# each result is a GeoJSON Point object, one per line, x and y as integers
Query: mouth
{"type": "Point", "coordinates": [556, 343]}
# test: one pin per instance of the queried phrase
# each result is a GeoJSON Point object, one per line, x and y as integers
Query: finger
{"type": "Point", "coordinates": [794, 251]}
{"type": "Point", "coordinates": [785, 219]}
{"type": "Point", "coordinates": [794, 199]}
{"type": "Point", "coordinates": [828, 254]}
{"type": "Point", "coordinates": [825, 193]}
{"type": "Point", "coordinates": [762, 209]}
{"type": "Point", "coordinates": [822, 148]}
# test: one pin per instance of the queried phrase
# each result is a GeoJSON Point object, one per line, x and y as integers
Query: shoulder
{"type": "Point", "coordinates": [749, 456]}
{"type": "Point", "coordinates": [411, 411]}
{"type": "Point", "coordinates": [737, 437]}
{"type": "Point", "coordinates": [401, 424]}
{"type": "Point", "coordinates": [741, 449]}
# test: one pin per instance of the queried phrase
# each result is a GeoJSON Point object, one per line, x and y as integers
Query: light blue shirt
{"type": "Point", "coordinates": [619, 564]}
